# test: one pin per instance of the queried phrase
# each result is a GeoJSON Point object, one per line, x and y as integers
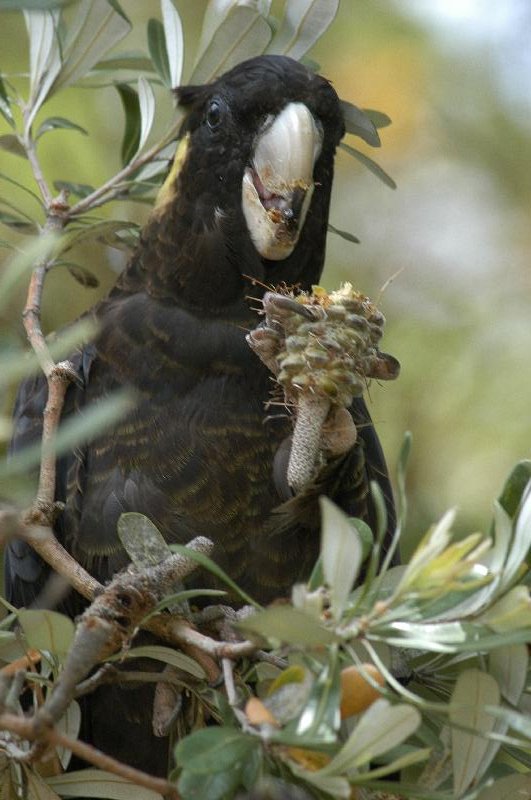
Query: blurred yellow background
{"type": "Point", "coordinates": [455, 77]}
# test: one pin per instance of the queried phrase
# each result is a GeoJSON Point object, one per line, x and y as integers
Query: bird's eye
{"type": "Point", "coordinates": [213, 115]}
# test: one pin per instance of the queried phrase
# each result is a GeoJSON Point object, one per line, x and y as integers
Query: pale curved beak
{"type": "Point", "coordinates": [278, 184]}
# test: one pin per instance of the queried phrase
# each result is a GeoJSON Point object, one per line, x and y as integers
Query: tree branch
{"type": "Point", "coordinates": [41, 731]}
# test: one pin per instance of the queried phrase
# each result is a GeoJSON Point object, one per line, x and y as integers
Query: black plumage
{"type": "Point", "coordinates": [196, 452]}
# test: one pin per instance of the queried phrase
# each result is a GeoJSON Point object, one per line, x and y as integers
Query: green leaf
{"type": "Point", "coordinates": [512, 719]}
{"type": "Point", "coordinates": [17, 223]}
{"type": "Point", "coordinates": [511, 612]}
{"type": "Point", "coordinates": [81, 274]}
{"type": "Point", "coordinates": [97, 783]}
{"type": "Point", "coordinates": [131, 107]}
{"type": "Point", "coordinates": [133, 60]}
{"type": "Point", "coordinates": [187, 594]}
{"type": "Point", "coordinates": [33, 5]}
{"type": "Point", "coordinates": [213, 785]}
{"type": "Point", "coordinates": [59, 123]}
{"type": "Point", "coordinates": [168, 656]}
{"type": "Point", "coordinates": [212, 567]}
{"type": "Point", "coordinates": [521, 540]}
{"type": "Point", "coordinates": [23, 263]}
{"type": "Point", "coordinates": [440, 637]}
{"type": "Point", "coordinates": [371, 165]}
{"type": "Point", "coordinates": [99, 230]}
{"type": "Point", "coordinates": [341, 554]}
{"type": "Point", "coordinates": [288, 625]}
{"type": "Point", "coordinates": [146, 101]}
{"type": "Point", "coordinates": [157, 50]}
{"type": "Point", "coordinates": [514, 487]}
{"type": "Point", "coordinates": [84, 426]}
{"type": "Point", "coordinates": [378, 118]}
{"type": "Point", "coordinates": [349, 237]}
{"type": "Point", "coordinates": [21, 186]}
{"type": "Point", "coordinates": [11, 144]}
{"type": "Point", "coordinates": [45, 59]}
{"type": "Point", "coordinates": [395, 765]}
{"type": "Point", "coordinates": [242, 34]}
{"type": "Point", "coordinates": [216, 12]}
{"type": "Point", "coordinates": [47, 630]}
{"type": "Point", "coordinates": [78, 189]}
{"type": "Point", "coordinates": [320, 718]}
{"type": "Point", "coordinates": [511, 787]}
{"type": "Point", "coordinates": [69, 725]}
{"type": "Point", "coordinates": [381, 728]}
{"type": "Point", "coordinates": [142, 540]}
{"type": "Point", "coordinates": [220, 746]}
{"type": "Point", "coordinates": [18, 365]}
{"type": "Point", "coordinates": [359, 124]}
{"type": "Point", "coordinates": [509, 665]}
{"type": "Point", "coordinates": [472, 692]}
{"type": "Point", "coordinates": [100, 26]}
{"type": "Point", "coordinates": [303, 24]}
{"type": "Point", "coordinates": [5, 105]}
{"type": "Point", "coordinates": [173, 32]}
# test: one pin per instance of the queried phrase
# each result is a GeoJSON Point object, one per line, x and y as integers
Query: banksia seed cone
{"type": "Point", "coordinates": [328, 348]}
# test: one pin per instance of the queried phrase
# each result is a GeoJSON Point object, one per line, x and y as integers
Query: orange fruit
{"type": "Point", "coordinates": [357, 693]}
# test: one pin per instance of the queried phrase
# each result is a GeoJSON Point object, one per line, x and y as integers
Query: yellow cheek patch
{"type": "Point", "coordinates": [167, 190]}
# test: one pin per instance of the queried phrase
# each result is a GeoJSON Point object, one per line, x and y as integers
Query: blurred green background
{"type": "Point", "coordinates": [455, 77]}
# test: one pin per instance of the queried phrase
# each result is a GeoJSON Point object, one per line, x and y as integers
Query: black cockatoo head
{"type": "Point", "coordinates": [249, 191]}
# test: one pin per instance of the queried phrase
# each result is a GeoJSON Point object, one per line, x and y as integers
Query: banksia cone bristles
{"type": "Point", "coordinates": [326, 349]}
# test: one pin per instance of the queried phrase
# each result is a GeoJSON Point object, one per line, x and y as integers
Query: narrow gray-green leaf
{"type": "Point", "coordinates": [97, 783]}
{"type": "Point", "coordinates": [78, 189]}
{"type": "Point", "coordinates": [168, 656]}
{"type": "Point", "coordinates": [359, 124]}
{"type": "Point", "coordinates": [157, 50]}
{"type": "Point", "coordinates": [289, 625]}
{"type": "Point", "coordinates": [33, 5]}
{"type": "Point", "coordinates": [22, 264]}
{"type": "Point", "coordinates": [99, 231]}
{"type": "Point", "coordinates": [5, 105]}
{"type": "Point", "coordinates": [133, 60]}
{"type": "Point", "coordinates": [215, 13]}
{"type": "Point", "coordinates": [510, 787]}
{"type": "Point", "coordinates": [18, 223]}
{"type": "Point", "coordinates": [521, 541]}
{"type": "Point", "coordinates": [508, 665]}
{"type": "Point", "coordinates": [341, 554]}
{"type": "Point", "coordinates": [211, 566]}
{"type": "Point", "coordinates": [242, 34]}
{"type": "Point", "coordinates": [378, 118]}
{"type": "Point", "coordinates": [80, 274]}
{"type": "Point", "coordinates": [56, 123]}
{"type": "Point", "coordinates": [131, 107]}
{"type": "Point", "coordinates": [349, 237]}
{"type": "Point", "coordinates": [101, 29]}
{"type": "Point", "coordinates": [142, 540]}
{"type": "Point", "coordinates": [146, 100]}
{"type": "Point", "coordinates": [82, 427]}
{"type": "Point", "coordinates": [303, 24]}
{"type": "Point", "coordinates": [69, 724]}
{"type": "Point", "coordinates": [214, 749]}
{"type": "Point", "coordinates": [11, 144]}
{"type": "Point", "coordinates": [371, 165]}
{"type": "Point", "coordinates": [21, 186]}
{"type": "Point", "coordinates": [472, 692]}
{"type": "Point", "coordinates": [381, 728]}
{"type": "Point", "coordinates": [47, 630]}
{"type": "Point", "coordinates": [45, 60]}
{"type": "Point", "coordinates": [173, 32]}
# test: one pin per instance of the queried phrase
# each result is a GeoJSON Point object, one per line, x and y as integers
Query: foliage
{"type": "Point", "coordinates": [447, 634]}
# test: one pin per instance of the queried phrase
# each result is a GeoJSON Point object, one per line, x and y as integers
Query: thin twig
{"type": "Point", "coordinates": [108, 190]}
{"type": "Point", "coordinates": [37, 730]}
{"type": "Point", "coordinates": [228, 679]}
